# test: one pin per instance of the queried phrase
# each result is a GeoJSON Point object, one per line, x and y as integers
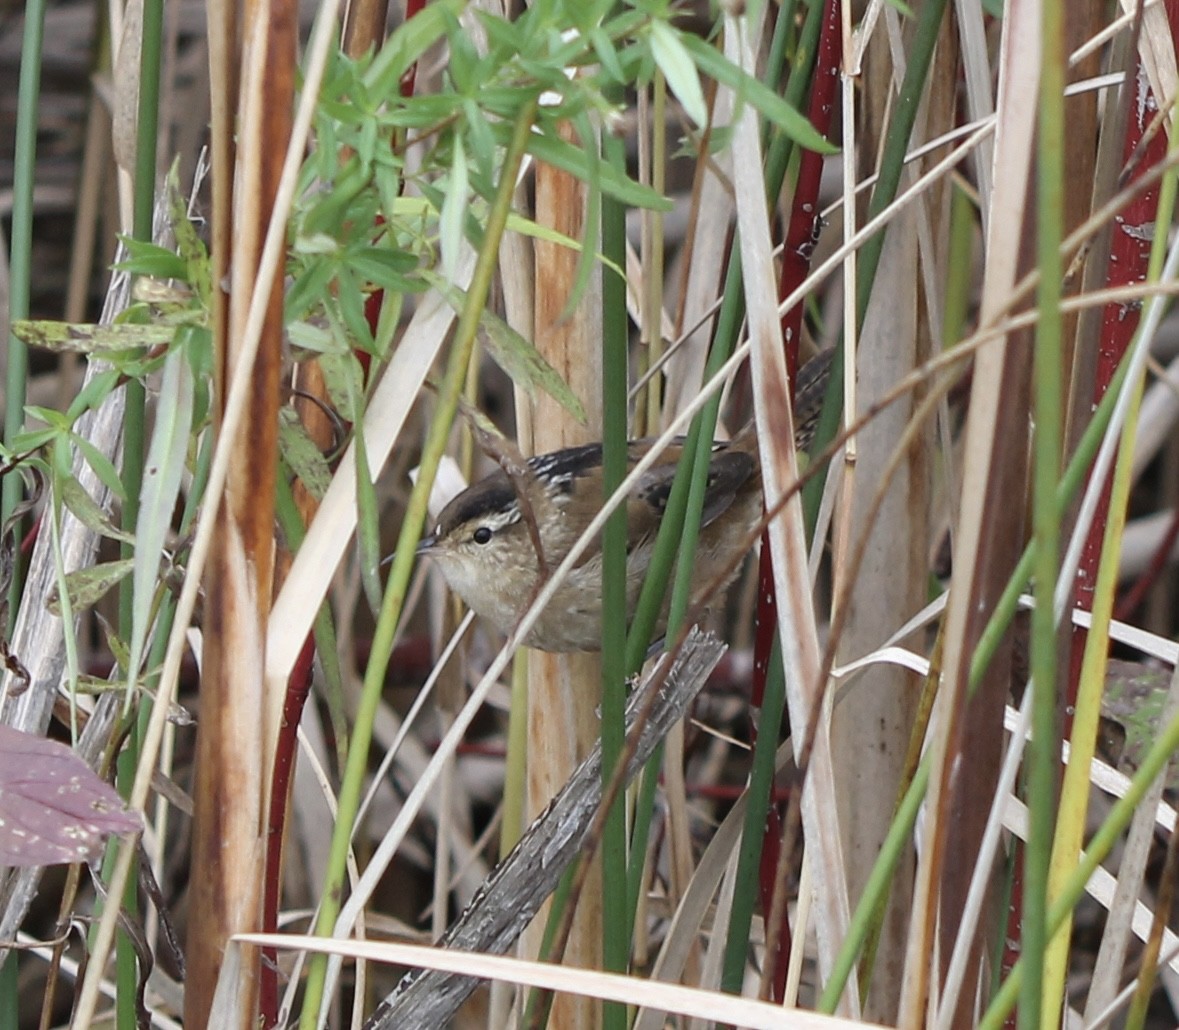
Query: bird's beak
{"type": "Point", "coordinates": [425, 546]}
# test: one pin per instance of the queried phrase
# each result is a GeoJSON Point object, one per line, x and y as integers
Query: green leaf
{"type": "Point", "coordinates": [32, 440]}
{"type": "Point", "coordinates": [483, 147]}
{"type": "Point", "coordinates": [196, 343]}
{"type": "Point", "coordinates": [341, 379]}
{"type": "Point", "coordinates": [607, 55]}
{"type": "Point", "coordinates": [85, 338]}
{"type": "Point", "coordinates": [189, 246]}
{"type": "Point", "coordinates": [576, 162]}
{"type": "Point", "coordinates": [316, 243]}
{"type": "Point", "coordinates": [151, 259]}
{"type": "Point", "coordinates": [713, 63]}
{"type": "Point", "coordinates": [527, 227]}
{"type": "Point", "coordinates": [86, 587]}
{"type": "Point", "coordinates": [311, 337]}
{"type": "Point", "coordinates": [506, 38]}
{"type": "Point", "coordinates": [522, 362]}
{"type": "Point", "coordinates": [366, 146]}
{"type": "Point", "coordinates": [464, 60]}
{"type": "Point", "coordinates": [308, 289]}
{"type": "Point", "coordinates": [384, 266]}
{"type": "Point", "coordinates": [162, 476]}
{"type": "Point", "coordinates": [679, 70]}
{"type": "Point", "coordinates": [87, 511]}
{"type": "Point", "coordinates": [102, 465]}
{"type": "Point", "coordinates": [350, 302]}
{"type": "Point", "coordinates": [50, 416]}
{"type": "Point", "coordinates": [301, 454]}
{"type": "Point", "coordinates": [93, 393]}
{"type": "Point", "coordinates": [388, 319]}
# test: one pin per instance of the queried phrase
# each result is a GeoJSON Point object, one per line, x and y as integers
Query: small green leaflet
{"type": "Point", "coordinates": [83, 507]}
{"type": "Point", "coordinates": [86, 587]}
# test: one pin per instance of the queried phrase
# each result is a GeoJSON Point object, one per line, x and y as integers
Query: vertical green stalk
{"type": "Point", "coordinates": [959, 284]}
{"type": "Point", "coordinates": [616, 913]}
{"type": "Point", "coordinates": [761, 782]}
{"type": "Point", "coordinates": [143, 207]}
{"type": "Point", "coordinates": [20, 258]}
{"type": "Point", "coordinates": [779, 147]}
{"type": "Point", "coordinates": [147, 131]}
{"type": "Point", "coordinates": [676, 533]}
{"type": "Point", "coordinates": [776, 60]}
{"type": "Point", "coordinates": [404, 557]}
{"type": "Point", "coordinates": [514, 785]}
{"type": "Point", "coordinates": [653, 277]}
{"type": "Point", "coordinates": [134, 450]}
{"type": "Point", "coordinates": [1044, 749]}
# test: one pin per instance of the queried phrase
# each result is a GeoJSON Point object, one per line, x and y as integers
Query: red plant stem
{"type": "Point", "coordinates": [796, 263]}
{"type": "Point", "coordinates": [30, 538]}
{"type": "Point", "coordinates": [298, 687]}
{"type": "Point", "coordinates": [1129, 259]}
{"type": "Point", "coordinates": [1129, 604]}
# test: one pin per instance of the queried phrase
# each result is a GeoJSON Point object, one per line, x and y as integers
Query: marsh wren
{"type": "Point", "coordinates": [485, 549]}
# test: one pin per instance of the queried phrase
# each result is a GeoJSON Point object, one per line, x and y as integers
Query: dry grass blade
{"type": "Point", "coordinates": [779, 468]}
{"type": "Point", "coordinates": [328, 536]}
{"type": "Point", "coordinates": [708, 1005]}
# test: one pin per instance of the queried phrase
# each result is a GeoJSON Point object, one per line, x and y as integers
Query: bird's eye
{"type": "Point", "coordinates": [482, 535]}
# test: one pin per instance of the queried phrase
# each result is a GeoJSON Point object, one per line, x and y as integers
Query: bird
{"type": "Point", "coordinates": [485, 549]}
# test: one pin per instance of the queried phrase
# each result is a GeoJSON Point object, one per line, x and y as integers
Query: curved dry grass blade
{"type": "Point", "coordinates": [327, 537]}
{"type": "Point", "coordinates": [720, 1008]}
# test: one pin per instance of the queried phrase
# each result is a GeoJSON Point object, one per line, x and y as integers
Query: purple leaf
{"type": "Point", "coordinates": [53, 808]}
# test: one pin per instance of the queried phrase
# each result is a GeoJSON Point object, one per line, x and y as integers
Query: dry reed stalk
{"type": "Point", "coordinates": [564, 690]}
{"type": "Point", "coordinates": [235, 747]}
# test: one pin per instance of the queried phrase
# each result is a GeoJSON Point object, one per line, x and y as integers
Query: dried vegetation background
{"type": "Point", "coordinates": [845, 823]}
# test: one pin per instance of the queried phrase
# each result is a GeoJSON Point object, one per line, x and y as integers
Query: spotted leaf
{"type": "Point", "coordinates": [53, 808]}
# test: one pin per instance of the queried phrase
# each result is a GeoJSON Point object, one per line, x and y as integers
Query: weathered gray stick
{"type": "Point", "coordinates": [518, 886]}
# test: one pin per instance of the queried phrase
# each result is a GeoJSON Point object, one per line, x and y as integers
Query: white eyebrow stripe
{"type": "Point", "coordinates": [501, 519]}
